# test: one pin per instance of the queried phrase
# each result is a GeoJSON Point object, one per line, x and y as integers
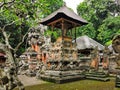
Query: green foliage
{"type": "Point", "coordinates": [101, 15]}
{"type": "Point", "coordinates": [78, 85]}
{"type": "Point", "coordinates": [54, 34]}
{"type": "Point", "coordinates": [17, 16]}
{"type": "Point", "coordinates": [88, 30]}
{"type": "Point", "coordinates": [49, 33]}
{"type": "Point", "coordinates": [108, 43]}
{"type": "Point", "coordinates": [109, 28]}
{"type": "Point", "coordinates": [53, 5]}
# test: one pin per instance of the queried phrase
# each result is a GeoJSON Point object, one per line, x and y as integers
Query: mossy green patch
{"type": "Point", "coordinates": [78, 85]}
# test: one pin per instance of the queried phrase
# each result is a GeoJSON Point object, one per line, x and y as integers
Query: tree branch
{"type": "Point", "coordinates": [0, 29]}
{"type": "Point", "coordinates": [9, 35]}
{"type": "Point", "coordinates": [2, 46]}
{"type": "Point", "coordinates": [6, 3]}
{"type": "Point", "coordinates": [5, 34]}
{"type": "Point", "coordinates": [8, 25]}
{"type": "Point", "coordinates": [16, 48]}
{"type": "Point", "coordinates": [6, 39]}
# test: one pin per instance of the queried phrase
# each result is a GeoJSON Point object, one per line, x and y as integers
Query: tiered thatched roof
{"type": "Point", "coordinates": [64, 13]}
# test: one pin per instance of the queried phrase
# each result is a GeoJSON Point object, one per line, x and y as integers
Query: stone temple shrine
{"type": "Point", "coordinates": [62, 64]}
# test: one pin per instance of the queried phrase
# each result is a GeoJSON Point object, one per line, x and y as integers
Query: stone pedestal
{"type": "Point", "coordinates": [62, 64]}
{"type": "Point", "coordinates": [100, 76]}
{"type": "Point", "coordinates": [63, 71]}
{"type": "Point", "coordinates": [117, 82]}
{"type": "Point", "coordinates": [98, 71]}
{"type": "Point", "coordinates": [62, 76]}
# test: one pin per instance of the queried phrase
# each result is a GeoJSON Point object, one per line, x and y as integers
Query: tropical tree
{"type": "Point", "coordinates": [98, 13]}
{"type": "Point", "coordinates": [17, 17]}
{"type": "Point", "coordinates": [109, 28]}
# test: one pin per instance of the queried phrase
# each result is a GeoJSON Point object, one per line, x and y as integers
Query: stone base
{"type": "Point", "coordinates": [100, 76]}
{"type": "Point", "coordinates": [62, 76]}
{"type": "Point", "coordinates": [30, 73]}
{"type": "Point", "coordinates": [117, 83]}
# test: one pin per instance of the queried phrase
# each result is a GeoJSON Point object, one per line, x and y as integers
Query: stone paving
{"type": "Point", "coordinates": [28, 81]}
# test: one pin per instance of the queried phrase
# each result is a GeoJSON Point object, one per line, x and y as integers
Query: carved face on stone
{"type": "Point", "coordinates": [116, 44]}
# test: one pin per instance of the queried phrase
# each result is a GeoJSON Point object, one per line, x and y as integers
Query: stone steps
{"type": "Point", "coordinates": [97, 75]}
{"type": "Point", "coordinates": [100, 76]}
{"type": "Point", "coordinates": [117, 80]}
{"type": "Point", "coordinates": [63, 79]}
{"type": "Point", "coordinates": [117, 85]}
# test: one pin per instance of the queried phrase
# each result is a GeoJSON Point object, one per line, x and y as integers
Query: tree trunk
{"type": "Point", "coordinates": [8, 52]}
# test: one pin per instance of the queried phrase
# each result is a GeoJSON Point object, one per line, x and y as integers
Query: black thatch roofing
{"type": "Point", "coordinates": [84, 42]}
{"type": "Point", "coordinates": [66, 13]}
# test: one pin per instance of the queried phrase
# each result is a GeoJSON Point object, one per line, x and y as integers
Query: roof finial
{"type": "Point", "coordinates": [64, 3]}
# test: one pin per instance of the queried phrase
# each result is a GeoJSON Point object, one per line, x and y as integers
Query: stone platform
{"type": "Point", "coordinates": [62, 76]}
{"type": "Point", "coordinates": [117, 82]}
{"type": "Point", "coordinates": [100, 76]}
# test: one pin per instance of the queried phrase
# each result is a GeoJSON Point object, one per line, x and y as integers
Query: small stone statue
{"type": "Point", "coordinates": [43, 68]}
{"type": "Point", "coordinates": [95, 58]}
{"type": "Point", "coordinates": [118, 60]}
{"type": "Point", "coordinates": [105, 62]}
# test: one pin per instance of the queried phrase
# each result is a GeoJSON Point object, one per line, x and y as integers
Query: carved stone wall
{"type": "Point", "coordinates": [63, 50]}
{"type": "Point", "coordinates": [63, 55]}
